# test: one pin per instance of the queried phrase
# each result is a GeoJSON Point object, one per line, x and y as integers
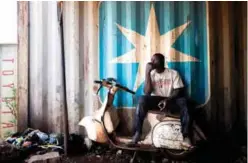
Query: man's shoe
{"type": "Point", "coordinates": [187, 143]}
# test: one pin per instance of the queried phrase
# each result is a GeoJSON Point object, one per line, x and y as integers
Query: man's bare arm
{"type": "Point", "coordinates": [148, 84]}
{"type": "Point", "coordinates": [148, 80]}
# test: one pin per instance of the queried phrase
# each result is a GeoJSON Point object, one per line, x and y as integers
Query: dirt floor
{"type": "Point", "coordinates": [207, 153]}
{"type": "Point", "coordinates": [113, 156]}
{"type": "Point", "coordinates": [102, 154]}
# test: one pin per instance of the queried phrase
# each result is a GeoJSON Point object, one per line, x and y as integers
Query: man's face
{"type": "Point", "coordinates": [156, 62]}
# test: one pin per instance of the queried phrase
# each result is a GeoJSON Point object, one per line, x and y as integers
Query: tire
{"type": "Point", "coordinates": [177, 154]}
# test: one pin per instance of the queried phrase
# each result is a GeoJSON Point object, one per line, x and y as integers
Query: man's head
{"type": "Point", "coordinates": [158, 61]}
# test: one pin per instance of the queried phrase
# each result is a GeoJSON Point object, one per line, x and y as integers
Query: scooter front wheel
{"type": "Point", "coordinates": [177, 154]}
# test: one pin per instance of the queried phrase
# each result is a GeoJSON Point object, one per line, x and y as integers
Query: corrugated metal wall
{"type": "Point", "coordinates": [227, 52]}
{"type": "Point", "coordinates": [45, 72]}
{"type": "Point", "coordinates": [45, 75]}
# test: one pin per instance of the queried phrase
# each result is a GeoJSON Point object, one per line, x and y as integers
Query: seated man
{"type": "Point", "coordinates": [162, 87]}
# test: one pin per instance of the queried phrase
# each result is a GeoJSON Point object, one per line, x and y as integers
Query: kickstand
{"type": "Point", "coordinates": [134, 155]}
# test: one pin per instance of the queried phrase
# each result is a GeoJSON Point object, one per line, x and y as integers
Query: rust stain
{"type": "Point", "coordinates": [86, 63]}
{"type": "Point", "coordinates": [22, 65]}
{"type": "Point", "coordinates": [95, 88]}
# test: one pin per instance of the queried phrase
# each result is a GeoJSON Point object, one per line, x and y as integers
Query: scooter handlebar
{"type": "Point", "coordinates": [117, 85]}
{"type": "Point", "coordinates": [97, 81]}
{"type": "Point", "coordinates": [125, 88]}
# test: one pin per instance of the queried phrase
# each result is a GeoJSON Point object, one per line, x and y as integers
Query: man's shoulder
{"type": "Point", "coordinates": [153, 72]}
{"type": "Point", "coordinates": [166, 71]}
{"type": "Point", "coordinates": [172, 71]}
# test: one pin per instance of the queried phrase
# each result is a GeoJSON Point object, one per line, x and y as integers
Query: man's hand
{"type": "Point", "coordinates": [162, 104]}
{"type": "Point", "coordinates": [148, 82]}
{"type": "Point", "coordinates": [149, 68]}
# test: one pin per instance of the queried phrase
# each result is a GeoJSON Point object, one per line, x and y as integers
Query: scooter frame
{"type": "Point", "coordinates": [113, 87]}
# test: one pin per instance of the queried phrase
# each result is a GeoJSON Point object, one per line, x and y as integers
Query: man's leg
{"type": "Point", "coordinates": [144, 104]}
{"type": "Point", "coordinates": [184, 117]}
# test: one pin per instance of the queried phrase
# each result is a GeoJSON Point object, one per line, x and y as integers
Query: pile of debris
{"type": "Point", "coordinates": [9, 153]}
{"type": "Point", "coordinates": [35, 145]}
{"type": "Point", "coordinates": [34, 141]}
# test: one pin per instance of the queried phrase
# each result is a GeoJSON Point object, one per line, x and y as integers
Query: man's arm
{"type": "Point", "coordinates": [177, 86]}
{"type": "Point", "coordinates": [148, 84]}
{"type": "Point", "coordinates": [148, 80]}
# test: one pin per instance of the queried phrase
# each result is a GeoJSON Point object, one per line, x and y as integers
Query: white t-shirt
{"type": "Point", "coordinates": [164, 83]}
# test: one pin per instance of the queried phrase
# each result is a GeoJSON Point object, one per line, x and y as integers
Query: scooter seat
{"type": "Point", "coordinates": [161, 116]}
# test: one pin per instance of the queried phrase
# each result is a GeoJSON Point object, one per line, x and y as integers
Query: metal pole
{"type": "Point", "coordinates": [65, 113]}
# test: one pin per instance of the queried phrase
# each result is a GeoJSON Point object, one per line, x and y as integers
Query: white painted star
{"type": "Point", "coordinates": [152, 42]}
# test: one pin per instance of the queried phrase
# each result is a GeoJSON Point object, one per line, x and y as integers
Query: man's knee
{"type": "Point", "coordinates": [181, 101]}
{"type": "Point", "coordinates": [143, 100]}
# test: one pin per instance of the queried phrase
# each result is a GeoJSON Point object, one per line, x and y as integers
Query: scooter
{"type": "Point", "coordinates": [165, 135]}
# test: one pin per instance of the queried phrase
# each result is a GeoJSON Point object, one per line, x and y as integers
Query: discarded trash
{"type": "Point", "coordinates": [119, 152]}
{"type": "Point", "coordinates": [32, 141]}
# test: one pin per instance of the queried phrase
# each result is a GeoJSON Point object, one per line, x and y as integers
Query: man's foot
{"type": "Point", "coordinates": [135, 139]}
{"type": "Point", "coordinates": [187, 143]}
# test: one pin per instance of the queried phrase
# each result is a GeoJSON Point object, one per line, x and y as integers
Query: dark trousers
{"type": "Point", "coordinates": [177, 105]}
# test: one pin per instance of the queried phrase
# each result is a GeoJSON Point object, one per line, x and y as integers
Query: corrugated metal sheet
{"type": "Point", "coordinates": [131, 32]}
{"type": "Point", "coordinates": [228, 50]}
{"type": "Point", "coordinates": [92, 39]}
{"type": "Point", "coordinates": [45, 78]}
{"type": "Point", "coordinates": [74, 74]}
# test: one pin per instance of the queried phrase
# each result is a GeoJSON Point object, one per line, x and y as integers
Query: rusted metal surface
{"type": "Point", "coordinates": [241, 61]}
{"type": "Point", "coordinates": [22, 65]}
{"type": "Point", "coordinates": [227, 69]}
{"type": "Point", "coordinates": [228, 66]}
{"type": "Point", "coordinates": [45, 75]}
{"type": "Point", "coordinates": [71, 39]}
{"type": "Point", "coordinates": [241, 51]}
{"type": "Point", "coordinates": [89, 51]}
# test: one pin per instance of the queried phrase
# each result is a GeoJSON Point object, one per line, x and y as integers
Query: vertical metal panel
{"type": "Point", "coordinates": [226, 63]}
{"type": "Point", "coordinates": [88, 36]}
{"type": "Point", "coordinates": [46, 89]}
{"type": "Point", "coordinates": [131, 32]}
{"type": "Point", "coordinates": [8, 81]}
{"type": "Point", "coordinates": [81, 59]}
{"type": "Point", "coordinates": [22, 59]}
{"type": "Point", "coordinates": [73, 65]}
{"type": "Point", "coordinates": [241, 60]}
{"type": "Point", "coordinates": [226, 35]}
{"type": "Point", "coordinates": [45, 69]}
